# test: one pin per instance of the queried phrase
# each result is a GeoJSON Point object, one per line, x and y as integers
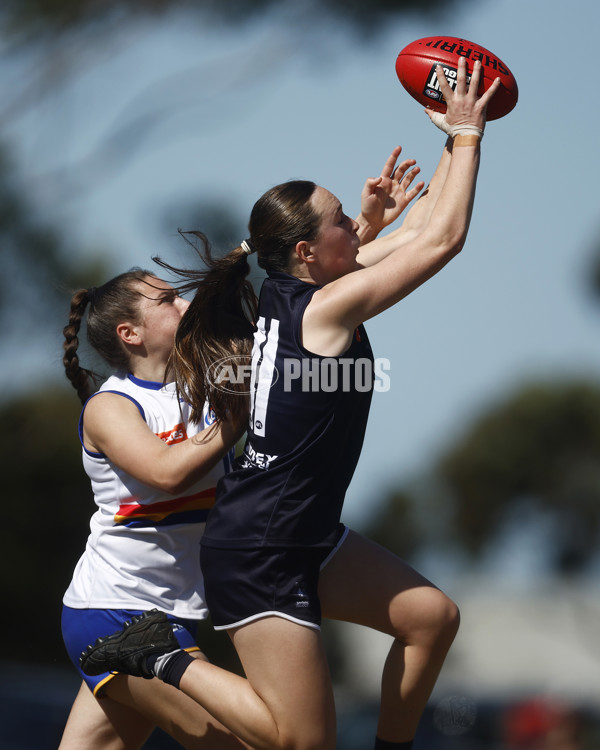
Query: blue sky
{"type": "Point", "coordinates": [248, 109]}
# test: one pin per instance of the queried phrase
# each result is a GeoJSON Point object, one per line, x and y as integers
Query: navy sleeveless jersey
{"type": "Point", "coordinates": [307, 424]}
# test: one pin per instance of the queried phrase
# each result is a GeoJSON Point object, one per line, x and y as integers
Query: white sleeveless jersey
{"type": "Point", "coordinates": [144, 544]}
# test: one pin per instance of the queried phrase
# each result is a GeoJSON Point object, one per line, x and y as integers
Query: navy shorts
{"type": "Point", "coordinates": [242, 585]}
{"type": "Point", "coordinates": [81, 627]}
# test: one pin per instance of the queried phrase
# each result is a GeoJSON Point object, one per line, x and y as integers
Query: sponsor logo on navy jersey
{"type": "Point", "coordinates": [256, 459]}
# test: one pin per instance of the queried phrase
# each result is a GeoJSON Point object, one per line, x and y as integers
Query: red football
{"type": "Point", "coordinates": [415, 67]}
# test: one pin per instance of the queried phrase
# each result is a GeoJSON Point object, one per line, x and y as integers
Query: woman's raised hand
{"type": "Point", "coordinates": [384, 198]}
{"type": "Point", "coordinates": [466, 110]}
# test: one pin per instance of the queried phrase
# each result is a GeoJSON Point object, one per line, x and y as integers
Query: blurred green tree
{"type": "Point", "coordinates": [47, 507]}
{"type": "Point", "coordinates": [39, 267]}
{"type": "Point", "coordinates": [35, 20]}
{"type": "Point", "coordinates": [532, 459]}
{"type": "Point", "coordinates": [541, 447]}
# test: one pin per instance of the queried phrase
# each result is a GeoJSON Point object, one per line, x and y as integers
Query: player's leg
{"type": "Point", "coordinates": [128, 709]}
{"type": "Point", "coordinates": [173, 711]}
{"type": "Point", "coordinates": [285, 702]}
{"type": "Point", "coordinates": [103, 725]}
{"type": "Point", "coordinates": [286, 699]}
{"type": "Point", "coordinates": [366, 584]}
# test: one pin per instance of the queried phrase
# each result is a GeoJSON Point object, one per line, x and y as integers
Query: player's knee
{"type": "Point", "coordinates": [434, 620]}
{"type": "Point", "coordinates": [448, 617]}
{"type": "Point", "coordinates": [441, 617]}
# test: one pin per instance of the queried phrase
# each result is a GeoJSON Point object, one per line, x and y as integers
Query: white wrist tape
{"type": "Point", "coordinates": [437, 118]}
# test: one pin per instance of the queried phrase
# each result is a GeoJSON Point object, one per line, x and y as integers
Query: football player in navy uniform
{"type": "Point", "coordinates": [275, 556]}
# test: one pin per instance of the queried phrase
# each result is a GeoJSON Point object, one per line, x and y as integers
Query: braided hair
{"type": "Point", "coordinates": [110, 304]}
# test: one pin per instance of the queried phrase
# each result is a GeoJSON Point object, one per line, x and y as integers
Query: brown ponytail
{"type": "Point", "coordinates": [218, 325]}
